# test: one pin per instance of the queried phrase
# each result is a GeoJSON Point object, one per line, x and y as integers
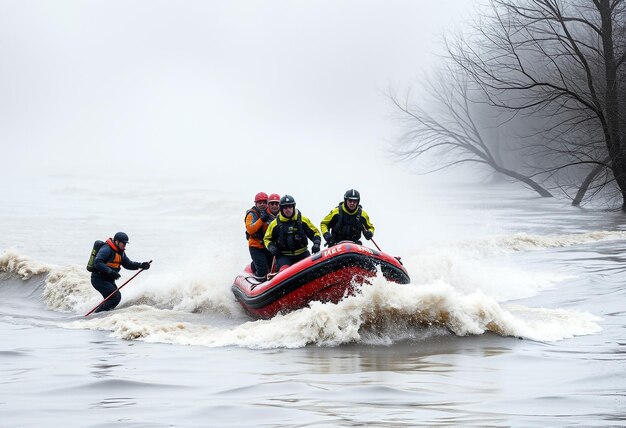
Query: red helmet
{"type": "Point", "coordinates": [274, 197]}
{"type": "Point", "coordinates": [261, 196]}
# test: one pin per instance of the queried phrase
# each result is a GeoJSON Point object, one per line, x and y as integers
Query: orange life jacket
{"type": "Point", "coordinates": [117, 259]}
{"type": "Point", "coordinates": [255, 240]}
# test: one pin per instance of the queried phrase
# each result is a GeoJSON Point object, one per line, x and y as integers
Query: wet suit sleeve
{"type": "Point", "coordinates": [311, 231]}
{"type": "Point", "coordinates": [267, 238]}
{"type": "Point", "coordinates": [365, 219]}
{"type": "Point", "coordinates": [129, 264]}
{"type": "Point", "coordinates": [327, 221]}
{"type": "Point", "coordinates": [253, 223]}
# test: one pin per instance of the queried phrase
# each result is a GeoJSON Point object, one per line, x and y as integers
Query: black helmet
{"type": "Point", "coordinates": [287, 200]}
{"type": "Point", "coordinates": [121, 236]}
{"type": "Point", "coordinates": [352, 194]}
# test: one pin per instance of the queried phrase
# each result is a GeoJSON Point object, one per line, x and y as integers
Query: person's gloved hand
{"type": "Point", "coordinates": [368, 234]}
{"type": "Point", "coordinates": [272, 248]}
{"type": "Point", "coordinates": [265, 216]}
{"type": "Point", "coordinates": [116, 275]}
{"type": "Point", "coordinates": [145, 265]}
{"type": "Point", "coordinates": [329, 239]}
{"type": "Point", "coordinates": [316, 246]}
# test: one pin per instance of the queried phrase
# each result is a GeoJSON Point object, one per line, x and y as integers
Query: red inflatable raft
{"type": "Point", "coordinates": [327, 276]}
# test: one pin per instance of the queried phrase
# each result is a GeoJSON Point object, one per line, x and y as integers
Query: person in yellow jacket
{"type": "Point", "coordinates": [288, 234]}
{"type": "Point", "coordinates": [347, 221]}
{"type": "Point", "coordinates": [257, 219]}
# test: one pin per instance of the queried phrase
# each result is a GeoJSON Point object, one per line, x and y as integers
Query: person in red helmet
{"type": "Point", "coordinates": [273, 205]}
{"type": "Point", "coordinates": [257, 219]}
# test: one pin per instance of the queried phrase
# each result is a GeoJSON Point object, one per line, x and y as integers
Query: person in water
{"type": "Point", "coordinates": [287, 235]}
{"type": "Point", "coordinates": [347, 221]}
{"type": "Point", "coordinates": [257, 219]}
{"type": "Point", "coordinates": [107, 264]}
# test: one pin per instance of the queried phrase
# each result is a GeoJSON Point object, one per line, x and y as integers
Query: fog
{"type": "Point", "coordinates": [240, 90]}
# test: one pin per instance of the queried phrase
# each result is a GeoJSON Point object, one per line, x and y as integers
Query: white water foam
{"type": "Point", "coordinates": [185, 292]}
{"type": "Point", "coordinates": [465, 266]}
{"type": "Point", "coordinates": [469, 266]}
{"type": "Point", "coordinates": [456, 289]}
{"type": "Point", "coordinates": [501, 244]}
{"type": "Point", "coordinates": [23, 267]}
{"type": "Point", "coordinates": [383, 313]}
{"type": "Point", "coordinates": [466, 274]}
{"type": "Point", "coordinates": [66, 287]}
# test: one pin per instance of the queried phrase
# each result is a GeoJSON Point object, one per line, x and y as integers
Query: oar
{"type": "Point", "coordinates": [116, 290]}
{"type": "Point", "coordinates": [269, 275]}
{"type": "Point", "coordinates": [372, 238]}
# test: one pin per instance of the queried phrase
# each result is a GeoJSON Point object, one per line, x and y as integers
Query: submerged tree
{"type": "Point", "coordinates": [559, 64]}
{"type": "Point", "coordinates": [451, 129]}
{"type": "Point", "coordinates": [562, 60]}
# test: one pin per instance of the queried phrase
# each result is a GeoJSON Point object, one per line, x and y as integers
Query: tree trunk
{"type": "Point", "coordinates": [612, 126]}
{"type": "Point", "coordinates": [526, 180]}
{"type": "Point", "coordinates": [587, 182]}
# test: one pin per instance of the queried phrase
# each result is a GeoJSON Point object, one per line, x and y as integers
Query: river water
{"type": "Point", "coordinates": [515, 315]}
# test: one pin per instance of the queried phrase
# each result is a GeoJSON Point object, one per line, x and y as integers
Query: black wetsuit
{"type": "Point", "coordinates": [102, 278]}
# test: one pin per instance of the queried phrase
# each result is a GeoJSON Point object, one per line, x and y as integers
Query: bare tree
{"type": "Point", "coordinates": [450, 129]}
{"type": "Point", "coordinates": [562, 60]}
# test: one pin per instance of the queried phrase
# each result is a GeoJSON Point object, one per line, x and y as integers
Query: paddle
{"type": "Point", "coordinates": [372, 238]}
{"type": "Point", "coordinates": [272, 274]}
{"type": "Point", "coordinates": [374, 242]}
{"type": "Point", "coordinates": [116, 290]}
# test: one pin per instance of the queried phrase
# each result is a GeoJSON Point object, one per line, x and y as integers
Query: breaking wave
{"type": "Point", "coordinates": [13, 263]}
{"type": "Point", "coordinates": [457, 289]}
{"type": "Point", "coordinates": [68, 288]}
{"type": "Point", "coordinates": [495, 245]}
{"type": "Point", "coordinates": [382, 314]}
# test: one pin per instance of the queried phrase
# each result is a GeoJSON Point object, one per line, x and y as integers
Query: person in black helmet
{"type": "Point", "coordinates": [107, 264]}
{"type": "Point", "coordinates": [347, 221]}
{"type": "Point", "coordinates": [286, 237]}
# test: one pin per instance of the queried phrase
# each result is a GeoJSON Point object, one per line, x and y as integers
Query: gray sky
{"type": "Point", "coordinates": [240, 90]}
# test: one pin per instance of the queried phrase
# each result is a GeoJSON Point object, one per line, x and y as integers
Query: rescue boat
{"type": "Point", "coordinates": [328, 276]}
